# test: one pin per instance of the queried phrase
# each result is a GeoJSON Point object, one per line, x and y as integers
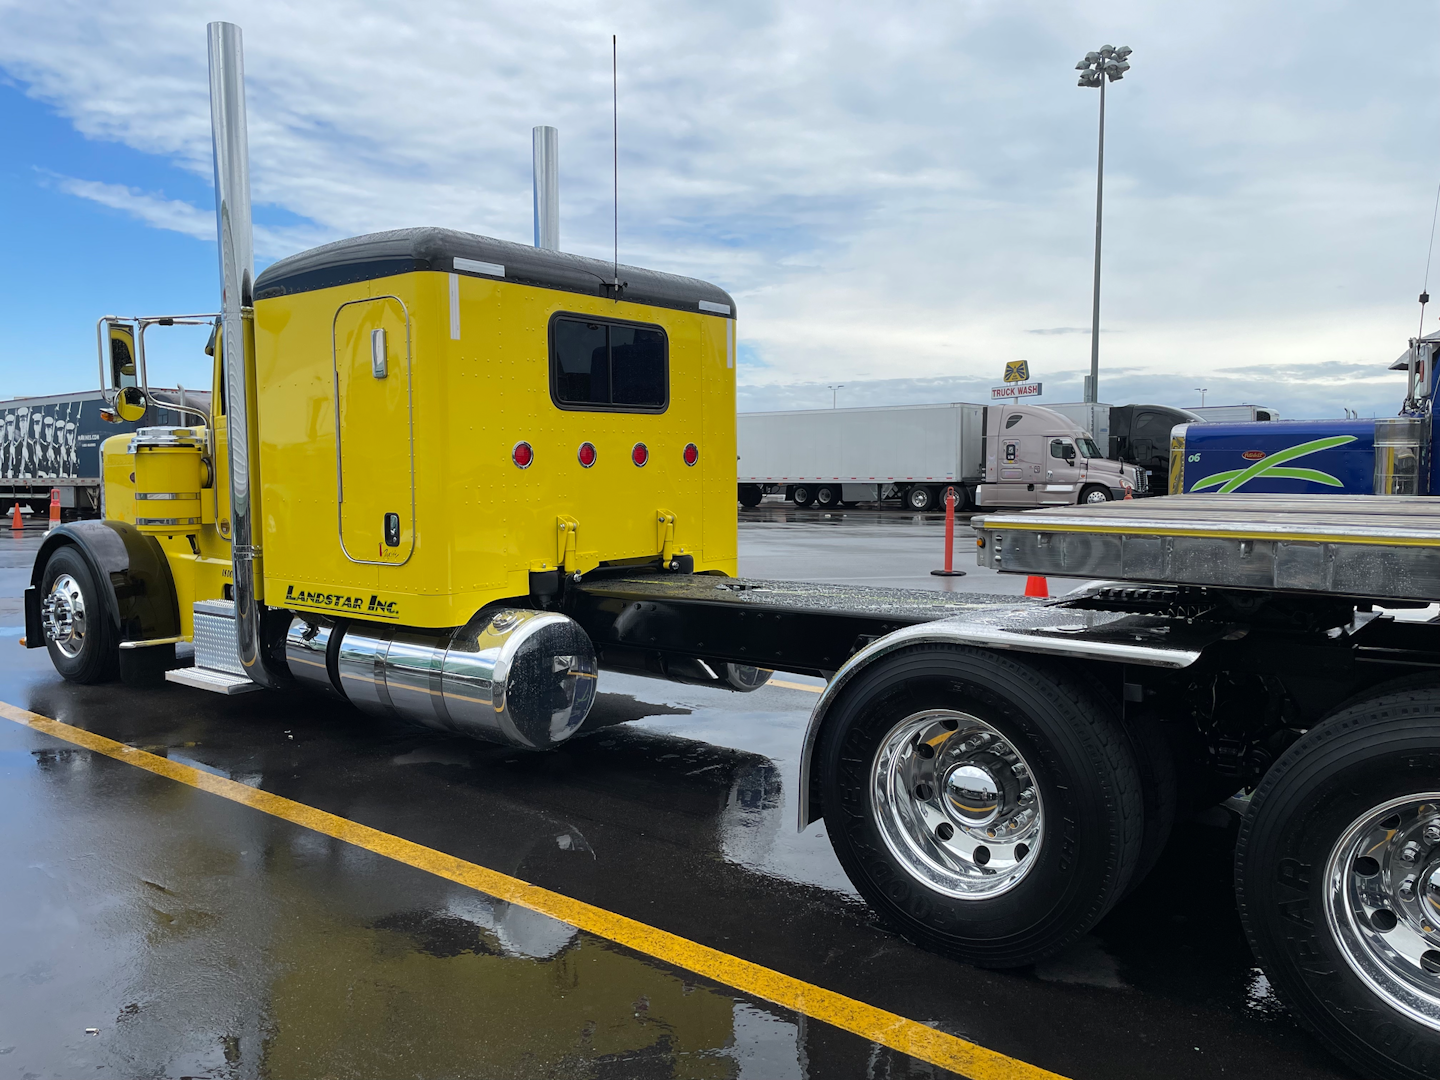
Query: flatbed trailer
{"type": "Point", "coordinates": [994, 773]}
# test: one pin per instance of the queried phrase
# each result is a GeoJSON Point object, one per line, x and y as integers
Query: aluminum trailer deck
{"type": "Point", "coordinates": [1381, 547]}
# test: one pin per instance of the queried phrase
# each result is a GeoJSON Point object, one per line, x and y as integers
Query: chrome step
{"type": "Point", "coordinates": [217, 661]}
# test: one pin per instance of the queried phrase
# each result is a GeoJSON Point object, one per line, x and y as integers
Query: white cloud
{"type": "Point", "coordinates": [905, 192]}
{"type": "Point", "coordinates": [162, 213]}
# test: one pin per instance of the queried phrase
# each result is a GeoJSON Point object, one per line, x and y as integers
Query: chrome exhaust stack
{"type": "Point", "coordinates": [546, 147]}
{"type": "Point", "coordinates": [237, 278]}
{"type": "Point", "coordinates": [512, 676]}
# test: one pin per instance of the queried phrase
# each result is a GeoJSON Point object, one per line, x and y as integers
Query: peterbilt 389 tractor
{"type": "Point", "coordinates": [450, 479]}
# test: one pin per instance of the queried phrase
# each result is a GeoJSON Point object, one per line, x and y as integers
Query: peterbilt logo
{"type": "Point", "coordinates": [384, 609]}
{"type": "Point", "coordinates": [1253, 455]}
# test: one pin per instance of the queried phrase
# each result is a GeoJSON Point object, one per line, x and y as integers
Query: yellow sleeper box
{"type": "Point", "coordinates": [396, 376]}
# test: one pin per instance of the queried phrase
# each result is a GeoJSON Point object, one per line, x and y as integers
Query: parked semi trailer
{"type": "Point", "coordinates": [53, 442]}
{"type": "Point", "coordinates": [993, 776]}
{"type": "Point", "coordinates": [993, 455]}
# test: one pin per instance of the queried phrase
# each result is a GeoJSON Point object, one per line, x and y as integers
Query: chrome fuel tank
{"type": "Point", "coordinates": [513, 676]}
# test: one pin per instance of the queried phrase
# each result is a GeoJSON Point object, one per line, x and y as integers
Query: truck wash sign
{"type": "Point", "coordinates": [1012, 391]}
{"type": "Point", "coordinates": [1287, 457]}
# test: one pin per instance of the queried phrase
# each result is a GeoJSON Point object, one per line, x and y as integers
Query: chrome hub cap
{"type": "Point", "coordinates": [63, 616]}
{"type": "Point", "coordinates": [1096, 497]}
{"type": "Point", "coordinates": [956, 804]}
{"type": "Point", "coordinates": [1382, 902]}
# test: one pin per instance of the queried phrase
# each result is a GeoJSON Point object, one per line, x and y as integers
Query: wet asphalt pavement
{"type": "Point", "coordinates": [201, 938]}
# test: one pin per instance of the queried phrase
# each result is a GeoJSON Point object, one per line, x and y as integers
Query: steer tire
{"type": "Point", "coordinates": [1294, 879]}
{"type": "Point", "coordinates": [1094, 493]}
{"type": "Point", "coordinates": [94, 655]}
{"type": "Point", "coordinates": [1079, 758]}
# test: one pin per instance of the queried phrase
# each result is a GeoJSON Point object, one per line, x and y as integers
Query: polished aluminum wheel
{"type": "Point", "coordinates": [1095, 495]}
{"type": "Point", "coordinates": [63, 615]}
{"type": "Point", "coordinates": [1382, 902]}
{"type": "Point", "coordinates": [956, 804]}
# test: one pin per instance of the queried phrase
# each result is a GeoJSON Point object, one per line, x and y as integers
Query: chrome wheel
{"type": "Point", "coordinates": [956, 804]}
{"type": "Point", "coordinates": [1382, 902]}
{"type": "Point", "coordinates": [63, 616]}
{"type": "Point", "coordinates": [1097, 495]}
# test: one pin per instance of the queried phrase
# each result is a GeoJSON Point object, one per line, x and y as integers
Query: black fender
{"type": "Point", "coordinates": [131, 571]}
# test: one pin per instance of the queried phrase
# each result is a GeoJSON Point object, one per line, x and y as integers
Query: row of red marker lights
{"type": "Point", "coordinates": [523, 454]}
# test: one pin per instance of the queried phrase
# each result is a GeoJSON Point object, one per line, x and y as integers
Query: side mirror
{"type": "Point", "coordinates": [130, 404]}
{"type": "Point", "coordinates": [1069, 455]}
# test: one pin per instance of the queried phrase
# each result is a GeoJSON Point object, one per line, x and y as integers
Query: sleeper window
{"type": "Point", "coordinates": [599, 364]}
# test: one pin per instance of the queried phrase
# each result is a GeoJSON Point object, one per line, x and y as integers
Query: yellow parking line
{"type": "Point", "coordinates": [795, 686]}
{"type": "Point", "coordinates": [878, 1026]}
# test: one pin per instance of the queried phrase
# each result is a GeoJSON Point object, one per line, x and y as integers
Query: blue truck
{"type": "Point", "coordinates": [1391, 455]}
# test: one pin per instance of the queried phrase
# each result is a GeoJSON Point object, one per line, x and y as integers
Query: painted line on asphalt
{"type": "Point", "coordinates": [796, 686]}
{"type": "Point", "coordinates": [877, 1025]}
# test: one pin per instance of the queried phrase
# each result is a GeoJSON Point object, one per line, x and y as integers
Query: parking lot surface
{"type": "Point", "coordinates": [156, 929]}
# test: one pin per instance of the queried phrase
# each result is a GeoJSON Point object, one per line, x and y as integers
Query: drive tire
{"type": "Point", "coordinates": [1080, 760]}
{"type": "Point", "coordinates": [750, 494]}
{"type": "Point", "coordinates": [1094, 493]}
{"type": "Point", "coordinates": [919, 499]}
{"type": "Point", "coordinates": [827, 498]}
{"type": "Point", "coordinates": [1359, 761]}
{"type": "Point", "coordinates": [95, 656]}
{"type": "Point", "coordinates": [802, 495]}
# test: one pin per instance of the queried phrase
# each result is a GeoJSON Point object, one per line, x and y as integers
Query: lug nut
{"type": "Point", "coordinates": [1407, 889]}
{"type": "Point", "coordinates": [1432, 834]}
{"type": "Point", "coordinates": [1410, 852]}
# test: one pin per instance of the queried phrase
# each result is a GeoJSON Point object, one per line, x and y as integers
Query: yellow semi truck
{"type": "Point", "coordinates": [451, 479]}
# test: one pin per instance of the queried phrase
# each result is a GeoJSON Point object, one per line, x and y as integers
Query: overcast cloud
{"type": "Point", "coordinates": [900, 198]}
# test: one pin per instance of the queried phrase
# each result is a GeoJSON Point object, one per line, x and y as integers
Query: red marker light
{"type": "Point", "coordinates": [639, 454]}
{"type": "Point", "coordinates": [522, 455]}
{"type": "Point", "coordinates": [692, 453]}
{"type": "Point", "coordinates": [586, 454]}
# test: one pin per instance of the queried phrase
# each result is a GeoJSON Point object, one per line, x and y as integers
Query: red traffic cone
{"type": "Point", "coordinates": [1035, 586]}
{"type": "Point", "coordinates": [16, 521]}
{"type": "Point", "coordinates": [1128, 495]}
{"type": "Point", "coordinates": [54, 507]}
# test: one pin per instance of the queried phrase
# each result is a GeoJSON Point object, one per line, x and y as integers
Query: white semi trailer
{"type": "Point", "coordinates": [993, 455]}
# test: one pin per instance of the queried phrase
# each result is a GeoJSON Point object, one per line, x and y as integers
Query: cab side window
{"type": "Point", "coordinates": [603, 364]}
{"type": "Point", "coordinates": [1060, 448]}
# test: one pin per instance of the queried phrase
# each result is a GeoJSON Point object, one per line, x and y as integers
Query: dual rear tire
{"type": "Point", "coordinates": [988, 807]}
{"type": "Point", "coordinates": [1338, 881]}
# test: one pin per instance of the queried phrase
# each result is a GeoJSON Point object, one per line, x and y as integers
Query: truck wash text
{"type": "Point", "coordinates": [387, 609]}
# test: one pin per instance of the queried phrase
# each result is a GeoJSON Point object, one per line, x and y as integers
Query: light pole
{"type": "Point", "coordinates": [1098, 68]}
{"type": "Point", "coordinates": [1201, 391]}
{"type": "Point", "coordinates": [835, 389]}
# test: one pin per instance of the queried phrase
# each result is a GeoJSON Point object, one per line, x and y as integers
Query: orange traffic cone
{"type": "Point", "coordinates": [1127, 494]}
{"type": "Point", "coordinates": [1035, 586]}
{"type": "Point", "coordinates": [54, 507]}
{"type": "Point", "coordinates": [16, 521]}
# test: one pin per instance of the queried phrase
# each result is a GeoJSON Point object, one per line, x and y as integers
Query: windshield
{"type": "Point", "coordinates": [1088, 447]}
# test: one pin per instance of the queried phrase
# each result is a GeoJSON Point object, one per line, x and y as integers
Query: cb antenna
{"type": "Point", "coordinates": [1429, 252]}
{"type": "Point", "coordinates": [615, 156]}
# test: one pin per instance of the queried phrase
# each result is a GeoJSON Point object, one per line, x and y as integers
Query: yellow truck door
{"type": "Point", "coordinates": [374, 431]}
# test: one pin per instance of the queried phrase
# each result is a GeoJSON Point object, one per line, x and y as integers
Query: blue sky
{"type": "Point", "coordinates": [900, 199]}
